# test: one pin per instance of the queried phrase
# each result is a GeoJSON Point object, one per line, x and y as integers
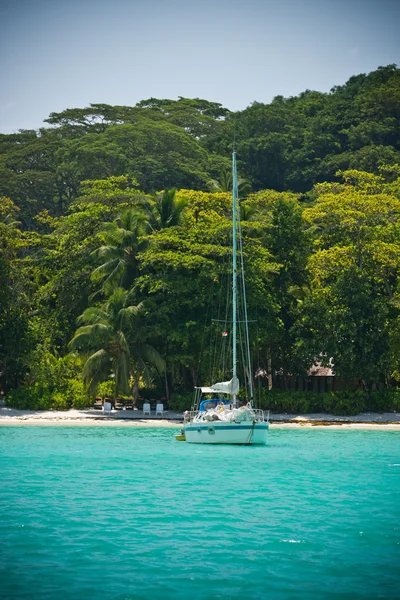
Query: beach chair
{"type": "Point", "coordinates": [119, 404]}
{"type": "Point", "coordinates": [98, 403]}
{"type": "Point", "coordinates": [146, 409]}
{"type": "Point", "coordinates": [128, 403]}
{"type": "Point", "coordinates": [160, 409]}
{"type": "Point", "coordinates": [107, 406]}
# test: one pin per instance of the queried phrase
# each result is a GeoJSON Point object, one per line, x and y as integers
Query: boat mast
{"type": "Point", "coordinates": [246, 321]}
{"type": "Point", "coordinates": [234, 274]}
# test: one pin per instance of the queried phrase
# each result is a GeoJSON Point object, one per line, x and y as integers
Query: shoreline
{"type": "Point", "coordinates": [178, 426]}
{"type": "Point", "coordinates": [90, 418]}
{"type": "Point", "coordinates": [18, 422]}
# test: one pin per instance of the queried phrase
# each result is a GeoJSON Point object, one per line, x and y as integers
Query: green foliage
{"type": "Point", "coordinates": [59, 401]}
{"type": "Point", "coordinates": [110, 344]}
{"type": "Point", "coordinates": [106, 389]}
{"type": "Point", "coordinates": [29, 397]}
{"type": "Point", "coordinates": [38, 397]}
{"type": "Point", "coordinates": [292, 143]}
{"type": "Point", "coordinates": [384, 400]}
{"type": "Point", "coordinates": [344, 402]}
{"type": "Point", "coordinates": [76, 395]}
{"type": "Point", "coordinates": [157, 154]}
{"type": "Point", "coordinates": [102, 339]}
{"type": "Point", "coordinates": [353, 271]}
{"type": "Point", "coordinates": [168, 209]}
{"type": "Point", "coordinates": [16, 338]}
{"type": "Point", "coordinates": [122, 240]}
{"type": "Point", "coordinates": [289, 144]}
{"type": "Point", "coordinates": [52, 384]}
{"type": "Point", "coordinates": [109, 207]}
{"type": "Point", "coordinates": [181, 402]}
{"type": "Point", "coordinates": [154, 391]}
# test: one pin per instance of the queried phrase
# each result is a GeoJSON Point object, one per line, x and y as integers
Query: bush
{"type": "Point", "coordinates": [74, 396]}
{"type": "Point", "coordinates": [36, 397]}
{"type": "Point", "coordinates": [396, 400]}
{"type": "Point", "coordinates": [59, 401]}
{"type": "Point", "coordinates": [291, 402]}
{"type": "Point", "coordinates": [77, 395]}
{"type": "Point", "coordinates": [151, 392]}
{"type": "Point", "coordinates": [54, 384]}
{"type": "Point", "coordinates": [349, 402]}
{"type": "Point", "coordinates": [343, 402]}
{"type": "Point", "coordinates": [21, 398]}
{"type": "Point", "coordinates": [107, 388]}
{"type": "Point", "coordinates": [32, 397]}
{"type": "Point", "coordinates": [383, 401]}
{"type": "Point", "coordinates": [181, 402]}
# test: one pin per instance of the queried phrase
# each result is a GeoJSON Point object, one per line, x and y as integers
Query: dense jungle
{"type": "Point", "coordinates": [115, 242]}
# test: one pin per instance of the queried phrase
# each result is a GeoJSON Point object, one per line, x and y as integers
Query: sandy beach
{"type": "Point", "coordinates": [11, 416]}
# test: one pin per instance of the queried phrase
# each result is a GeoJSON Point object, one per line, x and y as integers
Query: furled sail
{"type": "Point", "coordinates": [227, 387]}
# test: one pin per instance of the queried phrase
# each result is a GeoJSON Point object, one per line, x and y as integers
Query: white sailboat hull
{"type": "Point", "coordinates": [245, 433]}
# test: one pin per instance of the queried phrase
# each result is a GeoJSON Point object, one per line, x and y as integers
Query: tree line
{"type": "Point", "coordinates": [108, 283]}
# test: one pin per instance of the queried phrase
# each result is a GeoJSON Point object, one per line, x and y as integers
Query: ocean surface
{"type": "Point", "coordinates": [129, 513]}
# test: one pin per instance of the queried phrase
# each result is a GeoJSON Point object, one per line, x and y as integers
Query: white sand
{"type": "Point", "coordinates": [11, 416]}
{"type": "Point", "coordinates": [335, 425]}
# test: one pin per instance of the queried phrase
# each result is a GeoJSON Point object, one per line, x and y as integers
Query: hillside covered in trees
{"type": "Point", "coordinates": [114, 239]}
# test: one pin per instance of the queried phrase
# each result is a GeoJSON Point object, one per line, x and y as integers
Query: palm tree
{"type": "Point", "coordinates": [109, 338]}
{"type": "Point", "coordinates": [146, 362]}
{"type": "Point", "coordinates": [168, 209]}
{"type": "Point", "coordinates": [224, 184]}
{"type": "Point", "coordinates": [102, 339]}
{"type": "Point", "coordinates": [9, 231]}
{"type": "Point", "coordinates": [122, 241]}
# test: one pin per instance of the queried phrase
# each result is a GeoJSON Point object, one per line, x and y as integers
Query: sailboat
{"type": "Point", "coordinates": [217, 416]}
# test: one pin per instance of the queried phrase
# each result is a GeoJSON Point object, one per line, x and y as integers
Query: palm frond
{"type": "Point", "coordinates": [168, 208]}
{"type": "Point", "coordinates": [128, 314]}
{"type": "Point", "coordinates": [93, 314]}
{"type": "Point", "coordinates": [96, 296]}
{"type": "Point", "coordinates": [90, 336]}
{"type": "Point", "coordinates": [114, 278]}
{"type": "Point", "coordinates": [148, 354]}
{"type": "Point", "coordinates": [96, 369]}
{"type": "Point", "coordinates": [120, 339]}
{"type": "Point", "coordinates": [122, 373]}
{"type": "Point", "coordinates": [105, 251]}
{"type": "Point", "coordinates": [105, 269]}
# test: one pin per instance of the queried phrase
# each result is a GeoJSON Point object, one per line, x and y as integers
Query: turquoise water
{"type": "Point", "coordinates": [129, 513]}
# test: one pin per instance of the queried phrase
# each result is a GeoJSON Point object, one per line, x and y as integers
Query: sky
{"type": "Point", "coordinates": [58, 54]}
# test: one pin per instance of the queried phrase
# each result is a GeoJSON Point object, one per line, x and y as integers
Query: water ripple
{"type": "Point", "coordinates": [126, 514]}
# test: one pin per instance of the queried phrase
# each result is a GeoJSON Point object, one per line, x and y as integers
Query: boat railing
{"type": "Point", "coordinates": [259, 414]}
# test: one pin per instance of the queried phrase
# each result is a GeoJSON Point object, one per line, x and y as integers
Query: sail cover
{"type": "Point", "coordinates": [227, 387]}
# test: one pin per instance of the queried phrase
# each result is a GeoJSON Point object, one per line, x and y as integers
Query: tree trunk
{"type": "Point", "coordinates": [269, 368]}
{"type": "Point", "coordinates": [193, 372]}
{"type": "Point", "coordinates": [135, 389]}
{"type": "Point", "coordinates": [166, 384]}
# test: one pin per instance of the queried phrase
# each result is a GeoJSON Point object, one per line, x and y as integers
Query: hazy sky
{"type": "Point", "coordinates": [58, 54]}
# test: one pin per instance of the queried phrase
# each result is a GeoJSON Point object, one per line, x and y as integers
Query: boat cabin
{"type": "Point", "coordinates": [213, 403]}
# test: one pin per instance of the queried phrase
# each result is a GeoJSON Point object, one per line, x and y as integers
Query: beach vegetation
{"type": "Point", "coordinates": [347, 402]}
{"type": "Point", "coordinates": [115, 250]}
